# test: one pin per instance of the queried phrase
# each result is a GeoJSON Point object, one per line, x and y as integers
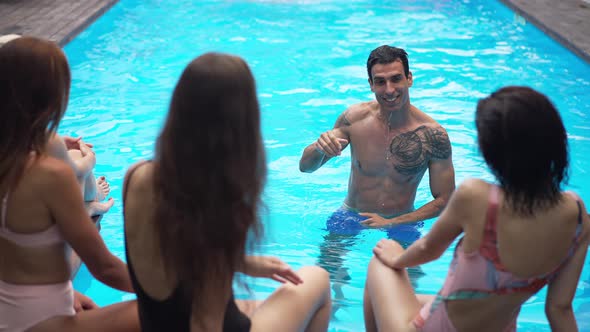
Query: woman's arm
{"type": "Point", "coordinates": [444, 231]}
{"type": "Point", "coordinates": [67, 207]}
{"type": "Point", "coordinates": [561, 290]}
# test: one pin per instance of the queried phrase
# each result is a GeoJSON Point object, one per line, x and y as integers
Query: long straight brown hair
{"type": "Point", "coordinates": [210, 171]}
{"type": "Point", "coordinates": [34, 92]}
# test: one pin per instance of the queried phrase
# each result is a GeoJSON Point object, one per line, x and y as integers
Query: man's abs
{"type": "Point", "coordinates": [380, 197]}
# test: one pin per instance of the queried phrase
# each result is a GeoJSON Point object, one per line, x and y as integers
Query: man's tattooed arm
{"type": "Point", "coordinates": [342, 120]}
{"type": "Point", "coordinates": [337, 138]}
{"type": "Point", "coordinates": [438, 141]}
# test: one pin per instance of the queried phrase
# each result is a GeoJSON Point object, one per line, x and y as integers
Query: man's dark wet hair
{"type": "Point", "coordinates": [523, 141]}
{"type": "Point", "coordinates": [387, 54]}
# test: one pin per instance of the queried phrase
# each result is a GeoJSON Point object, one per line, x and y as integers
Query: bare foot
{"type": "Point", "coordinates": [96, 208]}
{"type": "Point", "coordinates": [102, 188]}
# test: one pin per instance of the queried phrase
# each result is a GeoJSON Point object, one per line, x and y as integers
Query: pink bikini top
{"type": "Point", "coordinates": [489, 246]}
{"type": "Point", "coordinates": [46, 237]}
{"type": "Point", "coordinates": [481, 273]}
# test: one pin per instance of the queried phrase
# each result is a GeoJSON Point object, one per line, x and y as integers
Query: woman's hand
{"type": "Point", "coordinates": [270, 267]}
{"type": "Point", "coordinates": [74, 143]}
{"type": "Point", "coordinates": [387, 251]}
{"type": "Point", "coordinates": [85, 149]}
{"type": "Point", "coordinates": [83, 302]}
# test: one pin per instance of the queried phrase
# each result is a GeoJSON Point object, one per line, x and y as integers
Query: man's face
{"type": "Point", "coordinates": [390, 85]}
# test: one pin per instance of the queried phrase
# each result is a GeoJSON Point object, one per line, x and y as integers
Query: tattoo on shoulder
{"type": "Point", "coordinates": [438, 140]}
{"type": "Point", "coordinates": [413, 150]}
{"type": "Point", "coordinates": [342, 120]}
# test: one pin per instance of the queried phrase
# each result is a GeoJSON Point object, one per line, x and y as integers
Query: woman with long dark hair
{"type": "Point", "coordinates": [42, 211]}
{"type": "Point", "coordinates": [518, 235]}
{"type": "Point", "coordinates": [190, 212]}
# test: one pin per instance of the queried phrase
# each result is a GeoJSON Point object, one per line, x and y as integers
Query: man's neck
{"type": "Point", "coordinates": [397, 118]}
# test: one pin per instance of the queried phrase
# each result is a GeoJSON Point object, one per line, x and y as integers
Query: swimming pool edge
{"type": "Point", "coordinates": [85, 23]}
{"type": "Point", "coordinates": [551, 27]}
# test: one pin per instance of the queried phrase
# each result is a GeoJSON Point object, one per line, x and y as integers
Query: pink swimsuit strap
{"type": "Point", "coordinates": [49, 236]}
{"type": "Point", "coordinates": [489, 242]}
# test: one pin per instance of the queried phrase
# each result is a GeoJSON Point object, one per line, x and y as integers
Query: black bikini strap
{"type": "Point", "coordinates": [130, 172]}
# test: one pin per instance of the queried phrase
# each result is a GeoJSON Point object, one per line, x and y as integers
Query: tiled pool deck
{"type": "Point", "coordinates": [57, 20]}
{"type": "Point", "coordinates": [568, 21]}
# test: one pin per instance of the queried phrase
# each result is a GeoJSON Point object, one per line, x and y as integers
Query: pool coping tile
{"type": "Point", "coordinates": [566, 21]}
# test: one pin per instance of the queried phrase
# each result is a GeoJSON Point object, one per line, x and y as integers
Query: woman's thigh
{"type": "Point", "coordinates": [293, 307]}
{"type": "Point", "coordinates": [248, 307]}
{"type": "Point", "coordinates": [392, 299]}
{"type": "Point", "coordinates": [121, 317]}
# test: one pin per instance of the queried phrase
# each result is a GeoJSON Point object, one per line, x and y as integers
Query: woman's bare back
{"type": "Point", "coordinates": [528, 247]}
{"type": "Point", "coordinates": [27, 212]}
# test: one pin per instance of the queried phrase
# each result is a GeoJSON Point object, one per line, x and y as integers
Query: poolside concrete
{"type": "Point", "coordinates": [567, 21]}
{"type": "Point", "coordinates": [57, 20]}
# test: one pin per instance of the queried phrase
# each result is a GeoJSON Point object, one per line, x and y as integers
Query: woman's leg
{"type": "Point", "coordinates": [94, 190]}
{"type": "Point", "coordinates": [248, 307]}
{"type": "Point", "coordinates": [303, 307]}
{"type": "Point", "coordinates": [121, 317]}
{"type": "Point", "coordinates": [390, 303]}
{"type": "Point", "coordinates": [370, 324]}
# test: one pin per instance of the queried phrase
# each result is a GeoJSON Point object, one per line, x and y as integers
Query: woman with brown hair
{"type": "Point", "coordinates": [80, 156]}
{"type": "Point", "coordinates": [203, 191]}
{"type": "Point", "coordinates": [42, 211]}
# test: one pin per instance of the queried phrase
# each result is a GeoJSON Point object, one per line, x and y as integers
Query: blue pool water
{"type": "Point", "coordinates": [309, 59]}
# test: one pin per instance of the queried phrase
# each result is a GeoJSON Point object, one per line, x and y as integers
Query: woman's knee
{"type": "Point", "coordinates": [397, 247]}
{"type": "Point", "coordinates": [75, 154]}
{"type": "Point", "coordinates": [376, 266]}
{"type": "Point", "coordinates": [316, 284]}
{"type": "Point", "coordinates": [377, 272]}
{"type": "Point", "coordinates": [315, 274]}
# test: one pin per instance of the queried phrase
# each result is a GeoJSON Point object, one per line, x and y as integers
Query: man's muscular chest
{"type": "Point", "coordinates": [398, 154]}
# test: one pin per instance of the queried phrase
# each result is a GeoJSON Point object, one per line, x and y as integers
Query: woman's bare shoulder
{"type": "Point", "coordinates": [576, 210]}
{"type": "Point", "coordinates": [139, 181]}
{"type": "Point", "coordinates": [48, 167]}
{"type": "Point", "coordinates": [470, 198]}
{"type": "Point", "coordinates": [472, 189]}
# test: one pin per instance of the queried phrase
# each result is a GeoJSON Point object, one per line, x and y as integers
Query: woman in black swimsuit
{"type": "Point", "coordinates": [203, 195]}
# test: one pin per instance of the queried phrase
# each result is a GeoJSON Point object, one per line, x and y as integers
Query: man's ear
{"type": "Point", "coordinates": [410, 79]}
{"type": "Point", "coordinates": [371, 84]}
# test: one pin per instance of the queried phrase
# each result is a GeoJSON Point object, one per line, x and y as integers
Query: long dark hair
{"type": "Point", "coordinates": [209, 172]}
{"type": "Point", "coordinates": [34, 92]}
{"type": "Point", "coordinates": [524, 142]}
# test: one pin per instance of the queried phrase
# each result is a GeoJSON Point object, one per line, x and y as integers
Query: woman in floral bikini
{"type": "Point", "coordinates": [518, 236]}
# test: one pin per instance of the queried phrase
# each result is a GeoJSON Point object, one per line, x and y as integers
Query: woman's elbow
{"type": "Point", "coordinates": [551, 307]}
{"type": "Point", "coordinates": [558, 314]}
{"type": "Point", "coordinates": [428, 250]}
{"type": "Point", "coordinates": [104, 269]}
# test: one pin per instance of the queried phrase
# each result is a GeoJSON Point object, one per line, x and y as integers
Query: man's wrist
{"type": "Point", "coordinates": [391, 223]}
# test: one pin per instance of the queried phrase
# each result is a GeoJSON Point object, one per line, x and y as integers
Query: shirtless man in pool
{"type": "Point", "coordinates": [392, 145]}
